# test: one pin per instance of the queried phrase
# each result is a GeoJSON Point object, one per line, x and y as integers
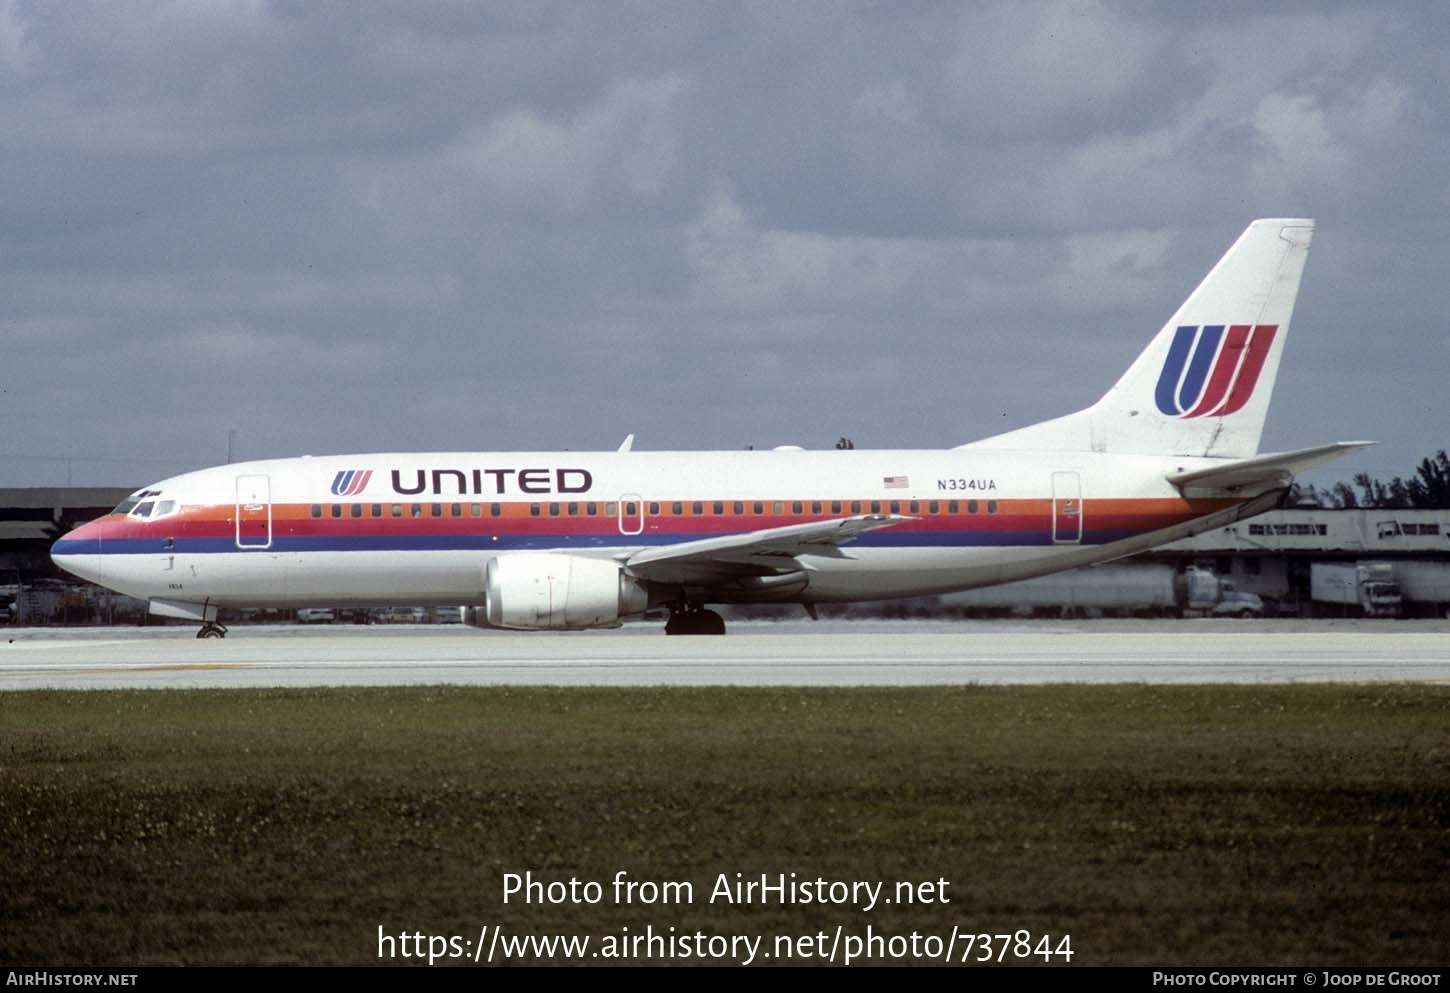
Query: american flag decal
{"type": "Point", "coordinates": [895, 482]}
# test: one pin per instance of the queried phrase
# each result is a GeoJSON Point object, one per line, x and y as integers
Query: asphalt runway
{"type": "Point", "coordinates": [841, 653]}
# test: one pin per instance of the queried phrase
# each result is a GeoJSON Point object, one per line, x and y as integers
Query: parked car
{"type": "Point", "coordinates": [447, 615]}
{"type": "Point", "coordinates": [399, 615]}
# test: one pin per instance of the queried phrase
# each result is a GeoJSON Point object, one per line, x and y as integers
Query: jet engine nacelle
{"type": "Point", "coordinates": [536, 592]}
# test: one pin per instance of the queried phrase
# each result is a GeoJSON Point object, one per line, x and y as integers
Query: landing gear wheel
{"type": "Point", "coordinates": [211, 629]}
{"type": "Point", "coordinates": [694, 620]}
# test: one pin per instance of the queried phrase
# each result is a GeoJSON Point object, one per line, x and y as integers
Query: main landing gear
{"type": "Point", "coordinates": [211, 629]}
{"type": "Point", "coordinates": [691, 618]}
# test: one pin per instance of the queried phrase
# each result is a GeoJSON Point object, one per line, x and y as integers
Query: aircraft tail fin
{"type": "Point", "coordinates": [1202, 386]}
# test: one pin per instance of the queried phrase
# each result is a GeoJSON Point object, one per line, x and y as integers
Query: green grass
{"type": "Point", "coordinates": [1156, 825]}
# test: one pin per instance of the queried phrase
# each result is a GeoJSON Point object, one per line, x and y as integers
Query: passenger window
{"type": "Point", "coordinates": [437, 509]}
{"type": "Point", "coordinates": [553, 510]}
{"type": "Point", "coordinates": [677, 508]}
{"type": "Point", "coordinates": [759, 507]}
{"type": "Point", "coordinates": [739, 506]}
{"type": "Point", "coordinates": [698, 508]}
{"type": "Point", "coordinates": [573, 510]}
{"type": "Point", "coordinates": [934, 507]}
{"type": "Point", "coordinates": [953, 507]}
{"type": "Point", "coordinates": [397, 510]}
{"type": "Point", "coordinates": [457, 510]}
{"type": "Point", "coordinates": [875, 506]}
{"type": "Point", "coordinates": [475, 510]}
{"type": "Point", "coordinates": [719, 507]}
{"type": "Point", "coordinates": [377, 510]}
{"type": "Point", "coordinates": [971, 506]}
{"type": "Point", "coordinates": [991, 506]}
{"type": "Point", "coordinates": [629, 509]}
{"type": "Point", "coordinates": [417, 510]}
{"type": "Point", "coordinates": [855, 506]}
{"type": "Point", "coordinates": [779, 507]}
{"type": "Point", "coordinates": [495, 509]}
{"type": "Point", "coordinates": [654, 508]}
{"type": "Point", "coordinates": [337, 510]}
{"type": "Point", "coordinates": [915, 506]}
{"type": "Point", "coordinates": [317, 510]}
{"type": "Point", "coordinates": [896, 506]}
{"type": "Point", "coordinates": [835, 506]}
{"type": "Point", "coordinates": [357, 510]}
{"type": "Point", "coordinates": [797, 507]}
{"type": "Point", "coordinates": [815, 506]}
{"type": "Point", "coordinates": [611, 508]}
{"type": "Point", "coordinates": [533, 510]}
{"type": "Point", "coordinates": [591, 509]}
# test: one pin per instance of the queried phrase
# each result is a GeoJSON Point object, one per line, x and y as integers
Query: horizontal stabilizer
{"type": "Point", "coordinates": [1263, 472]}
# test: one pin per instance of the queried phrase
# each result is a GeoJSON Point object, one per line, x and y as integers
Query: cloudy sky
{"type": "Point", "coordinates": [361, 226]}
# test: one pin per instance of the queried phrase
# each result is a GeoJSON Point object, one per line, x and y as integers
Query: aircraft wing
{"type": "Point", "coordinates": [770, 548]}
{"type": "Point", "coordinates": [1264, 472]}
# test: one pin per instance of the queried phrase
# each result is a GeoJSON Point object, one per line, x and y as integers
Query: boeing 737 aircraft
{"type": "Point", "coordinates": [563, 540]}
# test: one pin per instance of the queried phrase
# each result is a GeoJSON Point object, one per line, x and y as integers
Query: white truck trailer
{"type": "Point", "coordinates": [1424, 586]}
{"type": "Point", "coordinates": [1149, 588]}
{"type": "Point", "coordinates": [1363, 589]}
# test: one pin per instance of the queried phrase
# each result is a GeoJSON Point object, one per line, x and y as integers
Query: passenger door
{"type": "Point", "coordinates": [254, 512]}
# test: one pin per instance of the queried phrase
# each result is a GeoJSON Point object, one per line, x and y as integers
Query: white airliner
{"type": "Point", "coordinates": [564, 540]}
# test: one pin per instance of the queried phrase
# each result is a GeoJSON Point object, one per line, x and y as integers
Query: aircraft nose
{"type": "Point", "coordinates": [79, 551]}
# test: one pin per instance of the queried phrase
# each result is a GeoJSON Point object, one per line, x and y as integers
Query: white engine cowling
{"type": "Point", "coordinates": [534, 592]}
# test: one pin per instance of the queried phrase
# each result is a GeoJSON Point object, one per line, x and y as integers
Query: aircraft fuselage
{"type": "Point", "coordinates": [299, 532]}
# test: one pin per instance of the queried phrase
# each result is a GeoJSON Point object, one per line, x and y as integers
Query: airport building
{"type": "Point", "coordinates": [1265, 565]}
{"type": "Point", "coordinates": [32, 589]}
{"type": "Point", "coordinates": [1272, 554]}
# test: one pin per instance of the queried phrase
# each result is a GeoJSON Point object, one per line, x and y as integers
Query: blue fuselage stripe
{"type": "Point", "coordinates": [514, 542]}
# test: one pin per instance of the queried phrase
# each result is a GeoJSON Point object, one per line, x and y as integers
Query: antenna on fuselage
{"type": "Point", "coordinates": [231, 444]}
{"type": "Point", "coordinates": [628, 443]}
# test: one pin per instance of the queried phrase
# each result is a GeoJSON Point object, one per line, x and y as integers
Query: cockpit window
{"type": "Point", "coordinates": [140, 504]}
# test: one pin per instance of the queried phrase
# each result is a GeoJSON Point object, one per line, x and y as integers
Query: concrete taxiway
{"type": "Point", "coordinates": [905, 653]}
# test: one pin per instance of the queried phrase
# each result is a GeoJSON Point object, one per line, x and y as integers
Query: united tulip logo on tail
{"type": "Point", "coordinates": [351, 482]}
{"type": "Point", "coordinates": [1202, 379]}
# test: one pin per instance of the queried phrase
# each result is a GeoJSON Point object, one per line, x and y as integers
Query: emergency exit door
{"type": "Point", "coordinates": [1066, 508]}
{"type": "Point", "coordinates": [631, 514]}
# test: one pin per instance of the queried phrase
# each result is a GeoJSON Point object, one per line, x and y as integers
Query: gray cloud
{"type": "Point", "coordinates": [360, 226]}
